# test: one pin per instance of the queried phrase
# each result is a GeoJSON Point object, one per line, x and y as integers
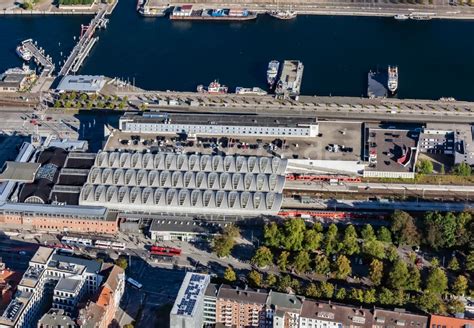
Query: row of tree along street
{"type": "Point", "coordinates": [364, 265]}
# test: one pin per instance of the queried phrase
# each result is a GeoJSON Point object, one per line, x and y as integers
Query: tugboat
{"type": "Point", "coordinates": [392, 82]}
{"type": "Point", "coordinates": [401, 17]}
{"type": "Point", "coordinates": [284, 15]}
{"type": "Point", "coordinates": [272, 72]}
{"type": "Point", "coordinates": [23, 52]}
{"type": "Point", "coordinates": [214, 88]}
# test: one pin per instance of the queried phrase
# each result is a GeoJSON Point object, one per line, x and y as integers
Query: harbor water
{"type": "Point", "coordinates": [434, 57]}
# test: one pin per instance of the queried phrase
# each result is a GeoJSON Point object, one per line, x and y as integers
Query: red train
{"type": "Point", "coordinates": [322, 178]}
{"type": "Point", "coordinates": [330, 214]}
{"type": "Point", "coordinates": [165, 251]}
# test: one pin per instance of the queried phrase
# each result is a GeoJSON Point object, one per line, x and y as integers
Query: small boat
{"type": "Point", "coordinates": [23, 52]}
{"type": "Point", "coordinates": [272, 72]}
{"type": "Point", "coordinates": [250, 91]}
{"type": "Point", "coordinates": [284, 15]}
{"type": "Point", "coordinates": [420, 16]}
{"type": "Point", "coordinates": [392, 82]}
{"type": "Point", "coordinates": [214, 88]}
{"type": "Point", "coordinates": [401, 17]}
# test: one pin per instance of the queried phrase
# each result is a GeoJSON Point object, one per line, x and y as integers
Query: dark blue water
{"type": "Point", "coordinates": [434, 57]}
{"type": "Point", "coordinates": [53, 33]}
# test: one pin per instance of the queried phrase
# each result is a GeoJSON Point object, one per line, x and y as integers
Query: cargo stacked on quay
{"type": "Point", "coordinates": [186, 12]}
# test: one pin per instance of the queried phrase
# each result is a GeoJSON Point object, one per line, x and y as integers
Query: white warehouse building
{"type": "Point", "coordinates": [218, 125]}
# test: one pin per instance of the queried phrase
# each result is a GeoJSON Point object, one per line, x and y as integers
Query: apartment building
{"type": "Point", "coordinates": [210, 301]}
{"type": "Point", "coordinates": [100, 312]}
{"type": "Point", "coordinates": [187, 311]}
{"type": "Point", "coordinates": [241, 307]}
{"type": "Point", "coordinates": [56, 318]}
{"type": "Point", "coordinates": [51, 280]}
{"type": "Point", "coordinates": [283, 310]}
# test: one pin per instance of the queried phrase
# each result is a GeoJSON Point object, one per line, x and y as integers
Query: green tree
{"type": "Point", "coordinates": [470, 261]}
{"type": "Point", "coordinates": [341, 293]}
{"type": "Point", "coordinates": [312, 291]}
{"type": "Point", "coordinates": [293, 234]}
{"type": "Point", "coordinates": [255, 278]}
{"type": "Point", "coordinates": [455, 306]}
{"type": "Point", "coordinates": [374, 248]}
{"type": "Point", "coordinates": [392, 253]}
{"type": "Point", "coordinates": [398, 276]}
{"type": "Point", "coordinates": [302, 262]}
{"type": "Point", "coordinates": [367, 232]}
{"type": "Point", "coordinates": [122, 262]}
{"type": "Point", "coordinates": [282, 261]}
{"type": "Point", "coordinates": [327, 289]}
{"type": "Point", "coordinates": [350, 244]}
{"type": "Point", "coordinates": [460, 285]}
{"type": "Point", "coordinates": [322, 265]}
{"type": "Point", "coordinates": [431, 302]}
{"type": "Point", "coordinates": [57, 104]}
{"type": "Point", "coordinates": [384, 235]}
{"type": "Point", "coordinates": [284, 283]}
{"type": "Point", "coordinates": [464, 228]}
{"type": "Point", "coordinates": [223, 243]}
{"type": "Point", "coordinates": [330, 243]}
{"type": "Point", "coordinates": [263, 257]}
{"type": "Point", "coordinates": [385, 296]}
{"type": "Point", "coordinates": [440, 230]}
{"type": "Point", "coordinates": [128, 325]}
{"type": "Point", "coordinates": [271, 235]}
{"type": "Point", "coordinates": [229, 275]}
{"type": "Point", "coordinates": [357, 295]}
{"type": "Point", "coordinates": [376, 271]}
{"type": "Point", "coordinates": [437, 282]}
{"type": "Point", "coordinates": [404, 229]}
{"type": "Point", "coordinates": [312, 240]}
{"type": "Point", "coordinates": [270, 280]}
{"type": "Point", "coordinates": [369, 296]}
{"type": "Point", "coordinates": [453, 264]}
{"type": "Point", "coordinates": [424, 166]}
{"type": "Point", "coordinates": [462, 169]}
{"type": "Point", "coordinates": [414, 278]}
{"type": "Point", "coordinates": [342, 267]}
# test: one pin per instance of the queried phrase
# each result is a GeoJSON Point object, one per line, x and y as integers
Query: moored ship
{"type": "Point", "coordinates": [23, 52]}
{"type": "Point", "coordinates": [401, 17]}
{"type": "Point", "coordinates": [284, 15]}
{"type": "Point", "coordinates": [186, 12]}
{"type": "Point", "coordinates": [250, 91]}
{"type": "Point", "coordinates": [392, 82]}
{"type": "Point", "coordinates": [214, 88]}
{"type": "Point", "coordinates": [420, 16]}
{"type": "Point", "coordinates": [272, 72]}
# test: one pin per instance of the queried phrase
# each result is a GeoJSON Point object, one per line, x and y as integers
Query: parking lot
{"type": "Point", "coordinates": [345, 135]}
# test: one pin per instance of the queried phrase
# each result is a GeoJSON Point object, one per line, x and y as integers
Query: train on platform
{"type": "Point", "coordinates": [334, 215]}
{"type": "Point", "coordinates": [322, 178]}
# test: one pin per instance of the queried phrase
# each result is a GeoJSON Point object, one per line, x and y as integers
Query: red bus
{"type": "Point", "coordinates": [164, 251]}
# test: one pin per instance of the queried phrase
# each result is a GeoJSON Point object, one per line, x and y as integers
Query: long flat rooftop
{"type": "Point", "coordinates": [218, 119]}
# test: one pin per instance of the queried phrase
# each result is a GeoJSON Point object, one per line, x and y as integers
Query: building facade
{"type": "Point", "coordinates": [56, 218]}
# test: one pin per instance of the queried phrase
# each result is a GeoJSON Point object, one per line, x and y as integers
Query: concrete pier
{"type": "Point", "coordinates": [40, 58]}
{"type": "Point", "coordinates": [86, 42]}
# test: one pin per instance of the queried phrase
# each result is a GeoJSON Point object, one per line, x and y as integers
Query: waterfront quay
{"type": "Point", "coordinates": [435, 9]}
{"type": "Point", "coordinates": [409, 110]}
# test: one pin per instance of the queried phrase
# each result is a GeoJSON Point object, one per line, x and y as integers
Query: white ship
{"type": "Point", "coordinates": [401, 17]}
{"type": "Point", "coordinates": [287, 14]}
{"type": "Point", "coordinates": [250, 91]}
{"type": "Point", "coordinates": [420, 16]}
{"type": "Point", "coordinates": [392, 82]}
{"type": "Point", "coordinates": [23, 52]}
{"type": "Point", "coordinates": [272, 72]}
